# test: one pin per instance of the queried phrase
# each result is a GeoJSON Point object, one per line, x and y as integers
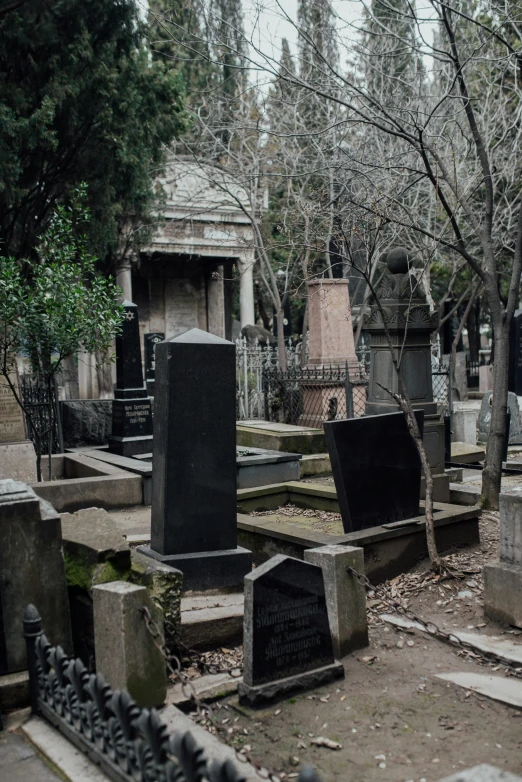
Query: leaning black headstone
{"type": "Point", "coordinates": [376, 469]}
{"type": "Point", "coordinates": [150, 341]}
{"type": "Point", "coordinates": [287, 641]}
{"type": "Point", "coordinates": [515, 354]}
{"type": "Point", "coordinates": [194, 502]}
{"type": "Point", "coordinates": [131, 408]}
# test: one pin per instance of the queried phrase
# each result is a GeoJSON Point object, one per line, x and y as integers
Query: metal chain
{"type": "Point", "coordinates": [432, 628]}
{"type": "Point", "coordinates": [204, 710]}
{"type": "Point", "coordinates": [172, 631]}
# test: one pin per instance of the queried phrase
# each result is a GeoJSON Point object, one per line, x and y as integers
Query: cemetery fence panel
{"type": "Point", "coordinates": [308, 396]}
{"type": "Point", "coordinates": [128, 743]}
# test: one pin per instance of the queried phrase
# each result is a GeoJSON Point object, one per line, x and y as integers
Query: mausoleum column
{"type": "Point", "coordinates": [246, 289]}
{"type": "Point", "coordinates": [124, 277]}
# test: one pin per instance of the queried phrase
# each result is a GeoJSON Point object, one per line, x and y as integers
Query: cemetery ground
{"type": "Point", "coordinates": [393, 719]}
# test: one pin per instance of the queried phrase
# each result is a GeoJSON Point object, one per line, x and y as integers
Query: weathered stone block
{"type": "Point", "coordinates": [464, 426]}
{"type": "Point", "coordinates": [31, 571]}
{"type": "Point", "coordinates": [86, 421]}
{"type": "Point", "coordinates": [503, 592]}
{"type": "Point", "coordinates": [345, 596]}
{"type": "Point", "coordinates": [164, 584]}
{"type": "Point", "coordinates": [126, 654]}
{"type": "Point", "coordinates": [18, 461]}
{"type": "Point", "coordinates": [510, 542]}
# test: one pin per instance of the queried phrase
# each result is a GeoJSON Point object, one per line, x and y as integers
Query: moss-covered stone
{"type": "Point", "coordinates": [164, 585]}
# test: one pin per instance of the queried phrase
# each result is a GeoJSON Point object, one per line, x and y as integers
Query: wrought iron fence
{"type": "Point", "coordinates": [129, 744]}
{"type": "Point", "coordinates": [440, 379]}
{"type": "Point", "coordinates": [36, 400]}
{"type": "Point", "coordinates": [308, 397]}
{"type": "Point", "coordinates": [251, 361]}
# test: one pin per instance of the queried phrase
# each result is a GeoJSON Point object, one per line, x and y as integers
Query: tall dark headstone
{"type": "Point", "coordinates": [287, 640]}
{"type": "Point", "coordinates": [376, 469]}
{"type": "Point", "coordinates": [515, 354]}
{"type": "Point", "coordinates": [194, 504]}
{"type": "Point", "coordinates": [131, 408]}
{"type": "Point", "coordinates": [402, 312]}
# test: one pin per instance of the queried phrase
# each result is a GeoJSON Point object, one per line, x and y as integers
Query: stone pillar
{"type": "Point", "coordinates": [126, 654]}
{"type": "Point", "coordinates": [194, 503]}
{"type": "Point", "coordinates": [503, 580]}
{"type": "Point", "coordinates": [32, 570]}
{"type": "Point", "coordinates": [216, 303]}
{"type": "Point", "coordinates": [124, 278]}
{"type": "Point", "coordinates": [131, 408]}
{"type": "Point", "coordinates": [247, 314]}
{"type": "Point", "coordinates": [332, 348]}
{"type": "Point", "coordinates": [410, 324]}
{"type": "Point", "coordinates": [345, 596]}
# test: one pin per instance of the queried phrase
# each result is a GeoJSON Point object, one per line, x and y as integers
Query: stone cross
{"type": "Point", "coordinates": [131, 408]}
{"type": "Point", "coordinates": [194, 502]}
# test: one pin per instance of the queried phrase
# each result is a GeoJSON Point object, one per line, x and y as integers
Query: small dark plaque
{"type": "Point", "coordinates": [286, 621]}
{"type": "Point", "coordinates": [515, 354]}
{"type": "Point", "coordinates": [131, 418]}
{"type": "Point", "coordinates": [376, 469]}
{"type": "Point", "coordinates": [151, 340]}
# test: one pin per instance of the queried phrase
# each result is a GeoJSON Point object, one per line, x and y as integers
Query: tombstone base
{"type": "Point", "coordinates": [130, 446]}
{"type": "Point", "coordinates": [502, 589]}
{"type": "Point", "coordinates": [261, 694]}
{"type": "Point", "coordinates": [207, 569]}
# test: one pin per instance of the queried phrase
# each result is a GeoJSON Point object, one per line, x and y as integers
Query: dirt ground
{"type": "Point", "coordinates": [393, 719]}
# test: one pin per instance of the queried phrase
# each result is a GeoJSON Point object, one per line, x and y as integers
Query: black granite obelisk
{"type": "Point", "coordinates": [194, 503]}
{"type": "Point", "coordinates": [131, 408]}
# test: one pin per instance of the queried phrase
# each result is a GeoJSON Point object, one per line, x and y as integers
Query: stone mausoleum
{"type": "Point", "coordinates": [184, 278]}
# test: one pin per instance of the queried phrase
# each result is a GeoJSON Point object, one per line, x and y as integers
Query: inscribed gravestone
{"type": "Point", "coordinates": [484, 421]}
{"type": "Point", "coordinates": [17, 455]}
{"type": "Point", "coordinates": [151, 340]}
{"type": "Point", "coordinates": [194, 502]}
{"type": "Point", "coordinates": [31, 571]}
{"type": "Point", "coordinates": [515, 354]}
{"type": "Point", "coordinates": [287, 639]}
{"type": "Point", "coordinates": [12, 426]}
{"type": "Point", "coordinates": [131, 408]}
{"type": "Point", "coordinates": [376, 469]}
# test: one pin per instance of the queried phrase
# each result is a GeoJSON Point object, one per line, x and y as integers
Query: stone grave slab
{"type": "Point", "coordinates": [31, 571]}
{"type": "Point", "coordinates": [287, 639]}
{"type": "Point", "coordinates": [484, 421]}
{"type": "Point", "coordinates": [376, 469]}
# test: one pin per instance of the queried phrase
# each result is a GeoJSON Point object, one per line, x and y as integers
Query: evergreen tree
{"type": "Point", "coordinates": [81, 101]}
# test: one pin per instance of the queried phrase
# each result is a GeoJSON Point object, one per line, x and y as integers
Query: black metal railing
{"type": "Point", "coordinates": [128, 743]}
{"type": "Point", "coordinates": [35, 397]}
{"type": "Point", "coordinates": [309, 396]}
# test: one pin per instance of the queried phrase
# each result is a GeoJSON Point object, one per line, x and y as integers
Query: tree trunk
{"type": "Point", "coordinates": [492, 474]}
{"type": "Point", "coordinates": [281, 348]}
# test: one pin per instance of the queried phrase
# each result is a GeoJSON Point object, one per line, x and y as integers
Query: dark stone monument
{"type": "Point", "coordinates": [150, 341]}
{"type": "Point", "coordinates": [403, 308]}
{"type": "Point", "coordinates": [194, 503]}
{"type": "Point", "coordinates": [287, 639]}
{"type": "Point", "coordinates": [376, 469]}
{"type": "Point", "coordinates": [32, 570]}
{"type": "Point", "coordinates": [515, 424]}
{"type": "Point", "coordinates": [515, 354]}
{"type": "Point", "coordinates": [131, 408]}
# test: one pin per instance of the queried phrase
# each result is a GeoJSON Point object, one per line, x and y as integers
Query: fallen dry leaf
{"type": "Point", "coordinates": [321, 741]}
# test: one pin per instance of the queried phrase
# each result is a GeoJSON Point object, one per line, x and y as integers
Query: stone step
{"type": "Point", "coordinates": [212, 620]}
{"type": "Point", "coordinates": [465, 453]}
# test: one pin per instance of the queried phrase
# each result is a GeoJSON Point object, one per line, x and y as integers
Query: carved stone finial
{"type": "Point", "coordinates": [397, 260]}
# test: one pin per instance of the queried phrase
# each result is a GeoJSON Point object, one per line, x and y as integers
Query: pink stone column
{"type": "Point", "coordinates": [331, 345]}
{"type": "Point", "coordinates": [330, 325]}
